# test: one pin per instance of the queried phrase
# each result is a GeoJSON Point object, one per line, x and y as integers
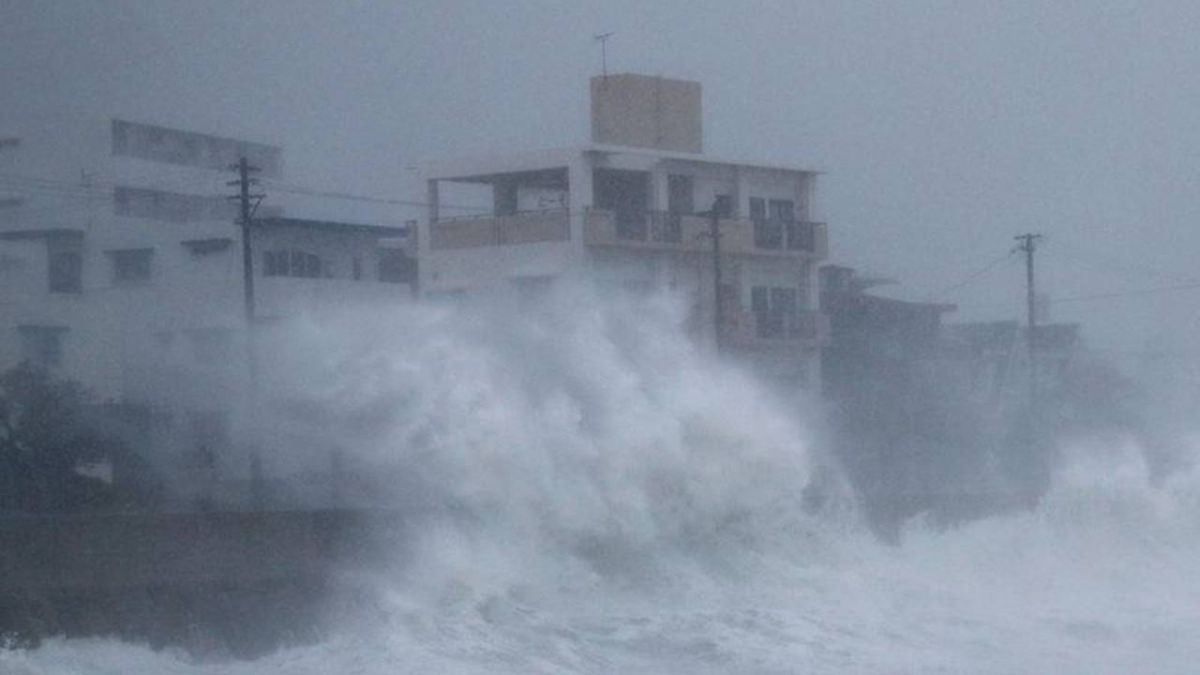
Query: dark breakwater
{"type": "Point", "coordinates": [239, 582]}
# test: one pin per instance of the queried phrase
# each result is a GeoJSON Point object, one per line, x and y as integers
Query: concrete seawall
{"type": "Point", "coordinates": [242, 582]}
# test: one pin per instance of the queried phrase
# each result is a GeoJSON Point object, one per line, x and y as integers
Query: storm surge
{"type": "Point", "coordinates": [592, 492]}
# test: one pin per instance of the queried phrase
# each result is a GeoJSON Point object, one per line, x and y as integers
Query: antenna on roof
{"type": "Point", "coordinates": [603, 38]}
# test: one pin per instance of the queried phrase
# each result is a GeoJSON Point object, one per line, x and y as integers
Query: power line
{"type": "Point", "coordinates": [1129, 293]}
{"type": "Point", "coordinates": [971, 277]}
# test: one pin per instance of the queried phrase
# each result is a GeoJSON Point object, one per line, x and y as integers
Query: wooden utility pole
{"type": "Point", "coordinates": [1027, 245]}
{"type": "Point", "coordinates": [718, 308]}
{"type": "Point", "coordinates": [244, 182]}
{"type": "Point", "coordinates": [246, 211]}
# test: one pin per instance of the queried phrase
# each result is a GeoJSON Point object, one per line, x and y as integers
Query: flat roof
{"type": "Point", "coordinates": [480, 168]}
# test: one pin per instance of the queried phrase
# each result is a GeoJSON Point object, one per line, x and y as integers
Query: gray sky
{"type": "Point", "coordinates": [945, 127]}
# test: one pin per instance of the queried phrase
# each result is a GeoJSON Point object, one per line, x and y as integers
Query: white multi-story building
{"type": "Point", "coordinates": [121, 263]}
{"type": "Point", "coordinates": [633, 209]}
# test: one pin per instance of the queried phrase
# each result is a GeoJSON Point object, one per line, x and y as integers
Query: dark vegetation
{"type": "Point", "coordinates": [51, 431]}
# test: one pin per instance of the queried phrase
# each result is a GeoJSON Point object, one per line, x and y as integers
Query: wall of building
{"type": "Point", "coordinates": [647, 112]}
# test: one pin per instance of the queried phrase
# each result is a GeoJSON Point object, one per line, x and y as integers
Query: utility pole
{"type": "Point", "coordinates": [714, 232]}
{"type": "Point", "coordinates": [1027, 245]}
{"type": "Point", "coordinates": [243, 183]}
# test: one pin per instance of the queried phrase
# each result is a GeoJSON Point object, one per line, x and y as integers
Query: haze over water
{"type": "Point", "coordinates": [617, 502]}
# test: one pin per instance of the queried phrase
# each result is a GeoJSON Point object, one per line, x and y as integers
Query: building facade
{"type": "Point", "coordinates": [635, 209]}
{"type": "Point", "coordinates": [121, 267]}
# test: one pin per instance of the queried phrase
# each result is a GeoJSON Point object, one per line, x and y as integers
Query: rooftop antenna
{"type": "Point", "coordinates": [603, 38]}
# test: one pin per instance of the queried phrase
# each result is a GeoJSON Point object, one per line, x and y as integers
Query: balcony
{"type": "Point", "coordinates": [762, 331]}
{"type": "Point", "coordinates": [658, 230]}
{"type": "Point", "coordinates": [521, 228]}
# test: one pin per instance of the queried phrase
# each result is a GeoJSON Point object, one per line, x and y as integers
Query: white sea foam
{"type": "Point", "coordinates": [615, 502]}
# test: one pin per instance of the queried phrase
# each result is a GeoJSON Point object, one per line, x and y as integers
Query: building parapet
{"type": "Point", "coordinates": [692, 233]}
{"type": "Point", "coordinates": [520, 228]}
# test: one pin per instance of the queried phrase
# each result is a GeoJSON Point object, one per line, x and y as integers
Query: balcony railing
{"type": "Point", "coordinates": [765, 330]}
{"type": "Point", "coordinates": [692, 233]}
{"type": "Point", "coordinates": [520, 228]}
{"type": "Point", "coordinates": [791, 235]}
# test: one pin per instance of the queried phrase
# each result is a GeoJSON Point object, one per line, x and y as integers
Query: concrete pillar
{"type": "Point", "coordinates": [433, 200]}
{"type": "Point", "coordinates": [579, 197]}
{"type": "Point", "coordinates": [658, 188]}
{"type": "Point", "coordinates": [739, 194]}
{"type": "Point", "coordinates": [425, 236]}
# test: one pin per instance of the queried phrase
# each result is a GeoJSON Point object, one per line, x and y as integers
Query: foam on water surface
{"type": "Point", "coordinates": [615, 502]}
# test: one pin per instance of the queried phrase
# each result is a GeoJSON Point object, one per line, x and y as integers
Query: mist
{"type": "Point", "coordinates": [574, 472]}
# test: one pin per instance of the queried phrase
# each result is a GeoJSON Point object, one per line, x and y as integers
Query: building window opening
{"type": "Point", "coordinates": [775, 312]}
{"type": "Point", "coordinates": [42, 345]}
{"type": "Point", "coordinates": [396, 267]}
{"type": "Point", "coordinates": [65, 271]}
{"type": "Point", "coordinates": [131, 266]}
{"type": "Point", "coordinates": [297, 264]}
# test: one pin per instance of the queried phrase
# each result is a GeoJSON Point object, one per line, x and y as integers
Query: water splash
{"type": "Point", "coordinates": [604, 498]}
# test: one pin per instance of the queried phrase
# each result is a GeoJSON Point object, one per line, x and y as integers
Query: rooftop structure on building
{"type": "Point", "coordinates": [632, 209]}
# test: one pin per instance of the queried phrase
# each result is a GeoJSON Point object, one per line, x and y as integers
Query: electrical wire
{"type": "Point", "coordinates": [971, 277]}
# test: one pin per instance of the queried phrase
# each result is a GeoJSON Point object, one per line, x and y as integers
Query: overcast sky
{"type": "Point", "coordinates": [945, 128]}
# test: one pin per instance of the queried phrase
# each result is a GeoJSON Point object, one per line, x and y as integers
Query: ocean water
{"type": "Point", "coordinates": [617, 502]}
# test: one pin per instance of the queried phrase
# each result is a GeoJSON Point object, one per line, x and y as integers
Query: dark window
{"type": "Point", "coordinates": [173, 206]}
{"type": "Point", "coordinates": [680, 194]}
{"type": "Point", "coordinates": [293, 264]}
{"type": "Point", "coordinates": [775, 311]}
{"type": "Point", "coordinates": [131, 266]}
{"type": "Point", "coordinates": [65, 271]}
{"type": "Point", "coordinates": [783, 210]}
{"type": "Point", "coordinates": [42, 345]}
{"type": "Point", "coordinates": [395, 266]}
{"type": "Point", "coordinates": [758, 209]}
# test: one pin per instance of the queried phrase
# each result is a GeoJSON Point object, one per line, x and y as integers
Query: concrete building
{"type": "Point", "coordinates": [121, 265]}
{"type": "Point", "coordinates": [632, 210]}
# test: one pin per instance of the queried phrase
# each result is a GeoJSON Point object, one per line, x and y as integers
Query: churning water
{"type": "Point", "coordinates": [618, 503]}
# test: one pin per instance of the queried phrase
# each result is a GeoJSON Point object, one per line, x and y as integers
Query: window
{"type": "Point", "coordinates": [65, 270]}
{"type": "Point", "coordinates": [783, 210]}
{"type": "Point", "coordinates": [42, 345]}
{"type": "Point", "coordinates": [775, 311]}
{"type": "Point", "coordinates": [396, 267]}
{"type": "Point", "coordinates": [680, 194]}
{"type": "Point", "coordinates": [771, 220]}
{"type": "Point", "coordinates": [284, 263]}
{"type": "Point", "coordinates": [177, 207]}
{"type": "Point", "coordinates": [131, 266]}
{"type": "Point", "coordinates": [357, 268]}
{"type": "Point", "coordinates": [186, 148]}
{"type": "Point", "coordinates": [758, 209]}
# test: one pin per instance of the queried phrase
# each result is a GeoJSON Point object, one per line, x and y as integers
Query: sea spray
{"type": "Point", "coordinates": [600, 496]}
